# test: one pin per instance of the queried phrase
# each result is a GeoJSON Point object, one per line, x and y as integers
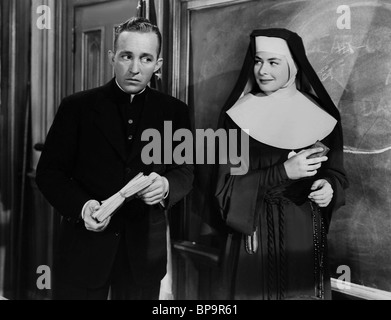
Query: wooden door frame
{"type": "Point", "coordinates": [72, 5]}
{"type": "Point", "coordinates": [181, 33]}
{"type": "Point", "coordinates": [49, 67]}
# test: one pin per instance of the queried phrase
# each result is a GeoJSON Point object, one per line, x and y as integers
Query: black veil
{"type": "Point", "coordinates": [307, 81]}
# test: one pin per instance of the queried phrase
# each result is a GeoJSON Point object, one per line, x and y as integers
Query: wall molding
{"type": "Point", "coordinates": [359, 291]}
{"type": "Point", "coordinates": [48, 70]}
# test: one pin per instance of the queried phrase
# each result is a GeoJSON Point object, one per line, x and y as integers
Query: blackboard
{"type": "Point", "coordinates": [354, 65]}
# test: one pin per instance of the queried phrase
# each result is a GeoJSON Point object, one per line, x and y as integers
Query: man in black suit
{"type": "Point", "coordinates": [92, 150]}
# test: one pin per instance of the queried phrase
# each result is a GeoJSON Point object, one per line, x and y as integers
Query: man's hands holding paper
{"type": "Point", "coordinates": [156, 192]}
{"type": "Point", "coordinates": [152, 189]}
{"type": "Point", "coordinates": [91, 223]}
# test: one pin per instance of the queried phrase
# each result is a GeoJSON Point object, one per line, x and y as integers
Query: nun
{"type": "Point", "coordinates": [278, 213]}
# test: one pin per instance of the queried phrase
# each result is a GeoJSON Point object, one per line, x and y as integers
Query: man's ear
{"type": "Point", "coordinates": [111, 56]}
{"type": "Point", "coordinates": [158, 65]}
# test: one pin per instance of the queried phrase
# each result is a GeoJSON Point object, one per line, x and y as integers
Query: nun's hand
{"type": "Point", "coordinates": [299, 166]}
{"type": "Point", "coordinates": [322, 193]}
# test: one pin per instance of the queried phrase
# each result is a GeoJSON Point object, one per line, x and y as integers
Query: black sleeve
{"type": "Point", "coordinates": [238, 195]}
{"type": "Point", "coordinates": [334, 172]}
{"type": "Point", "coordinates": [54, 170]}
{"type": "Point", "coordinates": [180, 176]}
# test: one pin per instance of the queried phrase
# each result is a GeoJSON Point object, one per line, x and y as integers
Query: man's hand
{"type": "Point", "coordinates": [323, 194]}
{"type": "Point", "coordinates": [156, 192]}
{"type": "Point", "coordinates": [90, 223]}
{"type": "Point", "coordinates": [299, 166]}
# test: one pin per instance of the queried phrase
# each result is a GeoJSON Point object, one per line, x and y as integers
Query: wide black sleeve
{"type": "Point", "coordinates": [239, 196]}
{"type": "Point", "coordinates": [55, 166]}
{"type": "Point", "coordinates": [180, 176]}
{"type": "Point", "coordinates": [334, 172]}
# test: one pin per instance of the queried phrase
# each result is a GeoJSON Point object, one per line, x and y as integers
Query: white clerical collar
{"type": "Point", "coordinates": [131, 95]}
{"type": "Point", "coordinates": [287, 119]}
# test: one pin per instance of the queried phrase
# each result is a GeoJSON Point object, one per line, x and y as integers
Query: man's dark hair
{"type": "Point", "coordinates": [137, 24]}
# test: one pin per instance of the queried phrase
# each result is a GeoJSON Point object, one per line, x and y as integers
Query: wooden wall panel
{"type": "Point", "coordinates": [15, 42]}
{"type": "Point", "coordinates": [93, 58]}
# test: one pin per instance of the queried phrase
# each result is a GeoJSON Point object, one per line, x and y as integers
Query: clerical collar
{"type": "Point", "coordinates": [286, 119]}
{"type": "Point", "coordinates": [131, 95]}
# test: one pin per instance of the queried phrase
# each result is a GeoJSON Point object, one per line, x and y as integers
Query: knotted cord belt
{"type": "Point", "coordinates": [271, 246]}
{"type": "Point", "coordinates": [319, 241]}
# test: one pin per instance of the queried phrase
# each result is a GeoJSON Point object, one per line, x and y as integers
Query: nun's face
{"type": "Point", "coordinates": [271, 71]}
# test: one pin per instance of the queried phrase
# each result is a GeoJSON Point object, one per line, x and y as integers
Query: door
{"type": "Point", "coordinates": [94, 36]}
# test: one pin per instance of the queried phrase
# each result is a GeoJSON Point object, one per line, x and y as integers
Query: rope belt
{"type": "Point", "coordinates": [272, 248]}
{"type": "Point", "coordinates": [277, 276]}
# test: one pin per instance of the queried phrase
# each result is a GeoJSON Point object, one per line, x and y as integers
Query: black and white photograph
{"type": "Point", "coordinates": [196, 154]}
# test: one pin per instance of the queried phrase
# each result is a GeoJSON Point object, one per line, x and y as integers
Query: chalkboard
{"type": "Point", "coordinates": [354, 65]}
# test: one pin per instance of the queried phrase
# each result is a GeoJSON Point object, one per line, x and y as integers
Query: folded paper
{"type": "Point", "coordinates": [110, 205]}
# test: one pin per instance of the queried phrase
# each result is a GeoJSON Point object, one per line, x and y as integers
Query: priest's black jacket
{"type": "Point", "coordinates": [89, 154]}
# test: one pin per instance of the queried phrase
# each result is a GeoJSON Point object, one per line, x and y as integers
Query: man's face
{"type": "Point", "coordinates": [271, 71]}
{"type": "Point", "coordinates": [135, 60]}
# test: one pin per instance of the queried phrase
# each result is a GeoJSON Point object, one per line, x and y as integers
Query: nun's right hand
{"type": "Point", "coordinates": [299, 166]}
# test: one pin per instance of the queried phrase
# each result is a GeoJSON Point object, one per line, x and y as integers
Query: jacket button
{"type": "Point", "coordinates": [117, 234]}
{"type": "Point", "coordinates": [130, 121]}
{"type": "Point", "coordinates": [130, 137]}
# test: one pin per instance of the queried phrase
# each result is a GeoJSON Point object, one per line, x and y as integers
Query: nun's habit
{"type": "Point", "coordinates": [282, 234]}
